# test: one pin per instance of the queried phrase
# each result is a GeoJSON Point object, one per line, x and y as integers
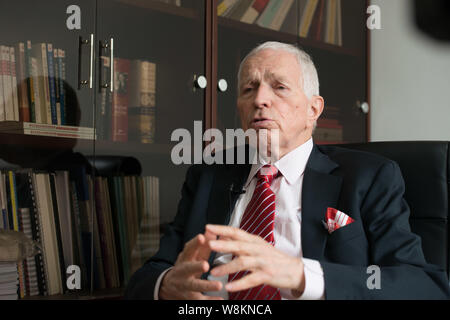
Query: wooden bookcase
{"type": "Point", "coordinates": [183, 40]}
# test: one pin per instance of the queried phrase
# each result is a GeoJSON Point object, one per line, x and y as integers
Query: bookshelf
{"type": "Point", "coordinates": [149, 52]}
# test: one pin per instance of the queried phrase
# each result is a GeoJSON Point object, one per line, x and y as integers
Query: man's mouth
{"type": "Point", "coordinates": [261, 122]}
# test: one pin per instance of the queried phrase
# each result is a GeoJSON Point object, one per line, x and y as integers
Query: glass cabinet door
{"type": "Point", "coordinates": [149, 84]}
{"type": "Point", "coordinates": [47, 136]}
{"type": "Point", "coordinates": [332, 32]}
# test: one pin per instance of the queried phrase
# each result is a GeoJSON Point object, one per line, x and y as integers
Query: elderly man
{"type": "Point", "coordinates": [308, 225]}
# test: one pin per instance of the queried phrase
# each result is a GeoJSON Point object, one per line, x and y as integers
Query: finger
{"type": "Point", "coordinates": [232, 233]}
{"type": "Point", "coordinates": [249, 281]}
{"type": "Point", "coordinates": [236, 265]}
{"type": "Point", "coordinates": [204, 251]}
{"type": "Point", "coordinates": [193, 268]}
{"type": "Point", "coordinates": [237, 248]}
{"type": "Point", "coordinates": [191, 247]}
{"type": "Point", "coordinates": [200, 285]}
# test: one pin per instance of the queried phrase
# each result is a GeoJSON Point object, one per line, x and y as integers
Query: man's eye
{"type": "Point", "coordinates": [247, 89]}
{"type": "Point", "coordinates": [281, 88]}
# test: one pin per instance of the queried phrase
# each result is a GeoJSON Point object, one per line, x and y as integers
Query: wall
{"type": "Point", "coordinates": [410, 79]}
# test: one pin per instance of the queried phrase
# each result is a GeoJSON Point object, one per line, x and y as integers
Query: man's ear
{"type": "Point", "coordinates": [316, 107]}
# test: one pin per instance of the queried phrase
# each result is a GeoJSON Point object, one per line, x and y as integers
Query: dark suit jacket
{"type": "Point", "coordinates": [367, 187]}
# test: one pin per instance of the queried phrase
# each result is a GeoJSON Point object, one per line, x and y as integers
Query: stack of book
{"type": "Point", "coordinates": [320, 20]}
{"type": "Point", "coordinates": [129, 113]}
{"type": "Point", "coordinates": [70, 212]}
{"type": "Point", "coordinates": [9, 281]}
{"type": "Point", "coordinates": [32, 83]}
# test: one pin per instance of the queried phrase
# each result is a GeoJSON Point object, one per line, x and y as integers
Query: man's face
{"type": "Point", "coordinates": [271, 97]}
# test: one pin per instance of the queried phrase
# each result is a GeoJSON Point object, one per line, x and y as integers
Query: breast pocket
{"type": "Point", "coordinates": [348, 245]}
{"type": "Point", "coordinates": [346, 233]}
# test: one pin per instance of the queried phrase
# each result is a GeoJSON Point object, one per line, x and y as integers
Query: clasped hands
{"type": "Point", "coordinates": [265, 263]}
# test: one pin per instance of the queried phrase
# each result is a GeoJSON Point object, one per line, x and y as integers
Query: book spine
{"type": "Point", "coordinates": [30, 81]}
{"type": "Point", "coordinates": [15, 215]}
{"type": "Point", "coordinates": [51, 84]}
{"type": "Point", "coordinates": [38, 89]}
{"type": "Point", "coordinates": [37, 236]}
{"type": "Point", "coordinates": [62, 79]}
{"type": "Point", "coordinates": [307, 17]}
{"type": "Point", "coordinates": [224, 6]}
{"type": "Point", "coordinates": [103, 122]}
{"type": "Point", "coordinates": [103, 233]}
{"type": "Point", "coordinates": [24, 108]}
{"type": "Point", "coordinates": [119, 115]}
{"type": "Point", "coordinates": [330, 32]}
{"type": "Point", "coordinates": [48, 106]}
{"type": "Point", "coordinates": [56, 221]}
{"type": "Point", "coordinates": [2, 98]}
{"type": "Point", "coordinates": [15, 97]}
{"type": "Point", "coordinates": [281, 15]}
{"type": "Point", "coordinates": [269, 13]}
{"type": "Point", "coordinates": [7, 83]}
{"type": "Point", "coordinates": [56, 84]}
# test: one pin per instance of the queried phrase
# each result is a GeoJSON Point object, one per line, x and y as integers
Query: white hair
{"type": "Point", "coordinates": [309, 80]}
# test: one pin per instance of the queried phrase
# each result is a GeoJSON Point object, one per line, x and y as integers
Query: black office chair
{"type": "Point", "coordinates": [425, 166]}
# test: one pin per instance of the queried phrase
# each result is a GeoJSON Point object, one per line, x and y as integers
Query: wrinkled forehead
{"type": "Point", "coordinates": [271, 65]}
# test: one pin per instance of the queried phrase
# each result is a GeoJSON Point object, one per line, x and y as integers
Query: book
{"type": "Point", "coordinates": [103, 120]}
{"type": "Point", "coordinates": [266, 18]}
{"type": "Point", "coordinates": [142, 123]}
{"type": "Point", "coordinates": [330, 26]}
{"type": "Point", "coordinates": [39, 103]}
{"type": "Point", "coordinates": [22, 85]}
{"type": "Point", "coordinates": [28, 207]}
{"type": "Point", "coordinates": [317, 25]}
{"type": "Point", "coordinates": [110, 231]}
{"type": "Point", "coordinates": [15, 97]}
{"type": "Point", "coordinates": [48, 233]}
{"type": "Point", "coordinates": [2, 97]}
{"type": "Point", "coordinates": [7, 83]}
{"type": "Point", "coordinates": [61, 61]}
{"type": "Point", "coordinates": [51, 84]}
{"type": "Point", "coordinates": [62, 192]}
{"type": "Point", "coordinates": [307, 17]}
{"type": "Point", "coordinates": [239, 9]}
{"type": "Point", "coordinates": [254, 11]}
{"type": "Point", "coordinates": [225, 6]}
{"type": "Point", "coordinates": [141, 113]}
{"type": "Point", "coordinates": [119, 116]}
{"type": "Point", "coordinates": [280, 16]}
{"type": "Point", "coordinates": [39, 51]}
{"type": "Point", "coordinates": [30, 75]}
{"type": "Point", "coordinates": [105, 241]}
{"type": "Point", "coordinates": [338, 23]}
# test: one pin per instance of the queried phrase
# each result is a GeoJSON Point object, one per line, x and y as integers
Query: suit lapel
{"type": "Point", "coordinates": [320, 190]}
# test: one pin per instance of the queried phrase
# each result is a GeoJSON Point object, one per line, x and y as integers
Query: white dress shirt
{"type": "Point", "coordinates": [287, 226]}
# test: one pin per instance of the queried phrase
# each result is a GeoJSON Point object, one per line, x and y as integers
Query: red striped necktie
{"type": "Point", "coordinates": [259, 219]}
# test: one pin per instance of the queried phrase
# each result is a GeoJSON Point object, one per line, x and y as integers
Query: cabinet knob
{"type": "Point", "coordinates": [222, 85]}
{"type": "Point", "coordinates": [200, 82]}
{"type": "Point", "coordinates": [363, 106]}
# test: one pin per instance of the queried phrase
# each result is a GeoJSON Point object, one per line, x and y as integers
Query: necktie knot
{"type": "Point", "coordinates": [268, 173]}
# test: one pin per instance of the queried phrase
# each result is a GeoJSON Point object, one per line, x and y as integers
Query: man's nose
{"type": "Point", "coordinates": [263, 96]}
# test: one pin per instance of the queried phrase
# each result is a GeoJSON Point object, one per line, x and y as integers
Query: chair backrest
{"type": "Point", "coordinates": [425, 167]}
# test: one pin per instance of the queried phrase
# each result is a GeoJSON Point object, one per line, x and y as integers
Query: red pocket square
{"type": "Point", "coordinates": [334, 219]}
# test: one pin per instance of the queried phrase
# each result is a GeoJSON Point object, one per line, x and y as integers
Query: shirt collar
{"type": "Point", "coordinates": [292, 165]}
